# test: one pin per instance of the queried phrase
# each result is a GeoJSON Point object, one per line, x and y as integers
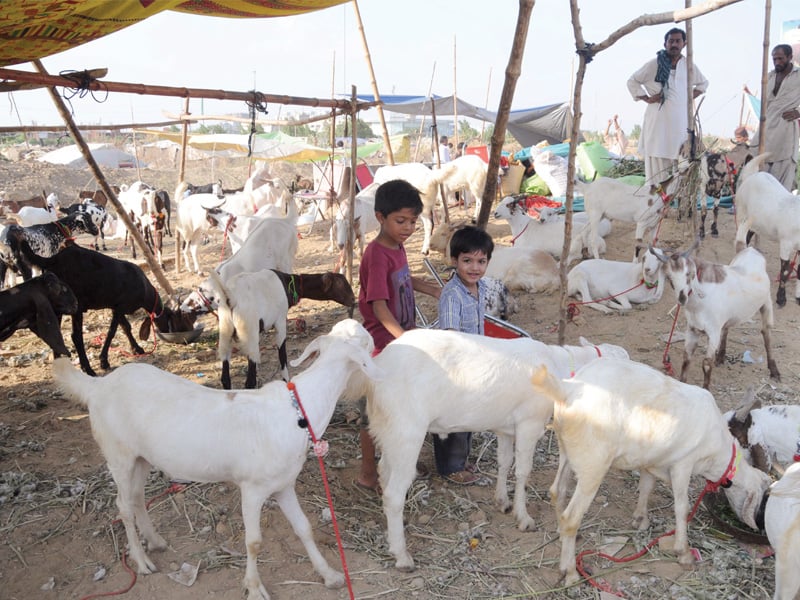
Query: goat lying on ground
{"type": "Point", "coordinates": [771, 434]}
{"type": "Point", "coordinates": [616, 284]}
{"type": "Point", "coordinates": [250, 438]}
{"type": "Point", "coordinates": [764, 207]}
{"type": "Point", "coordinates": [625, 415]}
{"type": "Point", "coordinates": [782, 523]}
{"type": "Point", "coordinates": [619, 201]}
{"type": "Point", "coordinates": [462, 382]}
{"type": "Point", "coordinates": [255, 302]}
{"type": "Point", "coordinates": [545, 235]}
{"type": "Point", "coordinates": [100, 281]}
{"type": "Point", "coordinates": [43, 240]}
{"type": "Point", "coordinates": [208, 188]}
{"type": "Point", "coordinates": [717, 297]}
{"type": "Point", "coordinates": [37, 305]}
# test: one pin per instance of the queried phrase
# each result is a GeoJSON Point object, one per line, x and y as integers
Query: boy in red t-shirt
{"type": "Point", "coordinates": [386, 296]}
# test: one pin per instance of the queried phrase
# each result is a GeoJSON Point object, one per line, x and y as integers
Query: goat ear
{"type": "Point", "coordinates": [759, 457]}
{"type": "Point", "coordinates": [750, 403]}
{"type": "Point", "coordinates": [312, 347]}
{"type": "Point", "coordinates": [658, 253]}
{"type": "Point", "coordinates": [144, 329]}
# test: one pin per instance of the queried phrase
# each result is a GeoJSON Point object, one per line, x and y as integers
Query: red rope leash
{"type": "Point", "coordinates": [573, 310]}
{"type": "Point", "coordinates": [711, 486]}
{"type": "Point", "coordinates": [320, 450]}
{"type": "Point", "coordinates": [228, 225]}
{"type": "Point", "coordinates": [665, 360]}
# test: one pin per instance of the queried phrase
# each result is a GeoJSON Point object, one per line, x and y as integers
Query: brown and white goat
{"type": "Point", "coordinates": [717, 297]}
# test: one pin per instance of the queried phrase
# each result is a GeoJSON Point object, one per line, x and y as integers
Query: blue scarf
{"type": "Point", "coordinates": [664, 66]}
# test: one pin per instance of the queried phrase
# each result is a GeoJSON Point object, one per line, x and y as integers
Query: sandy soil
{"type": "Point", "coordinates": [57, 513]}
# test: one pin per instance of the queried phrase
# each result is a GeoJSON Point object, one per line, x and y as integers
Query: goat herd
{"type": "Point", "coordinates": [607, 410]}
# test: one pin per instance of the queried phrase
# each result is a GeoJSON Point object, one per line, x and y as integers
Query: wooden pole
{"type": "Point", "coordinates": [422, 121]}
{"type": "Point", "coordinates": [180, 92]}
{"type": "Point", "coordinates": [438, 160]}
{"type": "Point", "coordinates": [486, 104]}
{"type": "Point", "coordinates": [352, 194]}
{"type": "Point", "coordinates": [384, 130]}
{"type": "Point", "coordinates": [455, 100]}
{"type": "Point", "coordinates": [98, 174]}
{"type": "Point", "coordinates": [181, 177]}
{"type": "Point", "coordinates": [762, 119]}
{"type": "Point", "coordinates": [513, 70]}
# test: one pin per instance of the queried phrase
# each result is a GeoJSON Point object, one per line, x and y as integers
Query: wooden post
{"type": "Point", "coordinates": [422, 120]}
{"type": "Point", "coordinates": [112, 197]}
{"type": "Point", "coordinates": [349, 244]}
{"type": "Point", "coordinates": [375, 92]}
{"type": "Point", "coordinates": [486, 104]}
{"type": "Point", "coordinates": [181, 177]}
{"type": "Point", "coordinates": [455, 102]}
{"type": "Point", "coordinates": [438, 161]}
{"type": "Point", "coordinates": [762, 118]}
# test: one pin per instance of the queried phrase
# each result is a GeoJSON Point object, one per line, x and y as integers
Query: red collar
{"type": "Point", "coordinates": [727, 477]}
{"type": "Point", "coordinates": [516, 237]}
{"type": "Point", "coordinates": [599, 354]}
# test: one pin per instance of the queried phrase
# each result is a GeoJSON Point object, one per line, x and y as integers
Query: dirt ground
{"type": "Point", "coordinates": [59, 537]}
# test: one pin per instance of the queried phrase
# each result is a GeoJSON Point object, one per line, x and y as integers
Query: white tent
{"type": "Point", "coordinates": [106, 155]}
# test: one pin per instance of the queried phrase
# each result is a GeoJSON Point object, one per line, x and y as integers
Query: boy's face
{"type": "Point", "coordinates": [471, 266]}
{"type": "Point", "coordinates": [397, 226]}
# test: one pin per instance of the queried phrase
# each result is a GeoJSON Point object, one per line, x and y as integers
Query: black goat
{"type": "Point", "coordinates": [43, 240]}
{"type": "Point", "coordinates": [38, 305]}
{"type": "Point", "coordinates": [208, 188]}
{"type": "Point", "coordinates": [162, 205]}
{"type": "Point", "coordinates": [101, 281]}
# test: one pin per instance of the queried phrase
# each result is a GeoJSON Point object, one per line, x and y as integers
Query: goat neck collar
{"type": "Point", "coordinates": [66, 231]}
{"type": "Point", "coordinates": [294, 289]}
{"type": "Point", "coordinates": [727, 477]}
{"type": "Point", "coordinates": [649, 284]}
{"type": "Point", "coordinates": [156, 305]}
{"type": "Point", "coordinates": [516, 237]}
{"type": "Point", "coordinates": [665, 197]}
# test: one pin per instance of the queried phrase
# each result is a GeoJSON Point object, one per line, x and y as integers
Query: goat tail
{"type": "Point", "coordinates": [752, 167]}
{"type": "Point", "coordinates": [74, 382]}
{"type": "Point", "coordinates": [180, 191]}
{"type": "Point", "coordinates": [546, 384]}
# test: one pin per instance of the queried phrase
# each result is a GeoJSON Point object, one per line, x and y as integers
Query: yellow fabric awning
{"type": "Point", "coordinates": [32, 29]}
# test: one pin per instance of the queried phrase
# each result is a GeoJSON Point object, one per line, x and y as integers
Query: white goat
{"type": "Point", "coordinates": [192, 223]}
{"type": "Point", "coordinates": [364, 222]}
{"type": "Point", "coordinates": [624, 415]}
{"type": "Point", "coordinates": [547, 236]}
{"type": "Point", "coordinates": [782, 523]}
{"type": "Point", "coordinates": [717, 297]}
{"type": "Point", "coordinates": [236, 228]}
{"type": "Point", "coordinates": [421, 177]}
{"type": "Point", "coordinates": [465, 172]}
{"type": "Point", "coordinates": [765, 207]}
{"type": "Point", "coordinates": [462, 382]}
{"type": "Point", "coordinates": [617, 284]}
{"type": "Point", "coordinates": [770, 434]}
{"type": "Point", "coordinates": [249, 437]}
{"type": "Point", "coordinates": [619, 201]}
{"type": "Point", "coordinates": [33, 215]}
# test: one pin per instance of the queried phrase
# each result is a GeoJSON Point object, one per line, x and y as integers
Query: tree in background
{"type": "Point", "coordinates": [324, 135]}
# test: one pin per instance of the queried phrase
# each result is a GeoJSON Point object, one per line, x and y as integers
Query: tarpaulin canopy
{"type": "Point", "coordinates": [32, 29]}
{"type": "Point", "coordinates": [551, 123]}
{"type": "Point", "coordinates": [105, 155]}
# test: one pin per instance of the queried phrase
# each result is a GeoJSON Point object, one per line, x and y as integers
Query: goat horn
{"type": "Point", "coordinates": [659, 254]}
{"type": "Point", "coordinates": [221, 202]}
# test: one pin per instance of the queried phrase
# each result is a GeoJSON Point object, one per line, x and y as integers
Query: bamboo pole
{"type": "Point", "coordinates": [762, 118]}
{"type": "Point", "coordinates": [513, 70]}
{"type": "Point", "coordinates": [384, 131]}
{"type": "Point", "coordinates": [438, 161]}
{"type": "Point", "coordinates": [36, 128]}
{"type": "Point", "coordinates": [170, 91]}
{"type": "Point", "coordinates": [422, 121]}
{"type": "Point", "coordinates": [352, 190]}
{"type": "Point", "coordinates": [181, 177]}
{"type": "Point", "coordinates": [486, 104]}
{"type": "Point", "coordinates": [455, 100]}
{"type": "Point", "coordinates": [693, 180]}
{"type": "Point", "coordinates": [98, 174]}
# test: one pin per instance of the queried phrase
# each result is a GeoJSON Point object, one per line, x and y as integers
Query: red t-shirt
{"type": "Point", "coordinates": [384, 275]}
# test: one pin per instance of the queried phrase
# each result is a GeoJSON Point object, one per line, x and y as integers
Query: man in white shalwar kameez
{"type": "Point", "coordinates": [782, 129]}
{"type": "Point", "coordinates": [661, 83]}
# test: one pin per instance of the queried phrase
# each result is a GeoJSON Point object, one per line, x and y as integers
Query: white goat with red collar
{"type": "Point", "coordinates": [249, 437]}
{"type": "Point", "coordinates": [462, 382]}
{"type": "Point", "coordinates": [717, 297]}
{"type": "Point", "coordinates": [624, 415]}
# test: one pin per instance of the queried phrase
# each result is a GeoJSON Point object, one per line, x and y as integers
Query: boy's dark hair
{"type": "Point", "coordinates": [471, 239]}
{"type": "Point", "coordinates": [396, 195]}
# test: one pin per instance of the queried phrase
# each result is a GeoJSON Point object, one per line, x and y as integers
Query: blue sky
{"type": "Point", "coordinates": [315, 54]}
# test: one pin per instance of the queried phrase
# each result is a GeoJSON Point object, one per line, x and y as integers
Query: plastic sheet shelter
{"type": "Point", "coordinates": [32, 29]}
{"type": "Point", "coordinates": [551, 123]}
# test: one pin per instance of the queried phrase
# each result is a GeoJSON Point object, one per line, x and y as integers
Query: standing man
{"type": "Point", "coordinates": [661, 83]}
{"type": "Point", "coordinates": [782, 128]}
{"type": "Point", "coordinates": [444, 150]}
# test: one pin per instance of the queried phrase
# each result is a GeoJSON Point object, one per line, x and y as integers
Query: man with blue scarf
{"type": "Point", "coordinates": [661, 83]}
